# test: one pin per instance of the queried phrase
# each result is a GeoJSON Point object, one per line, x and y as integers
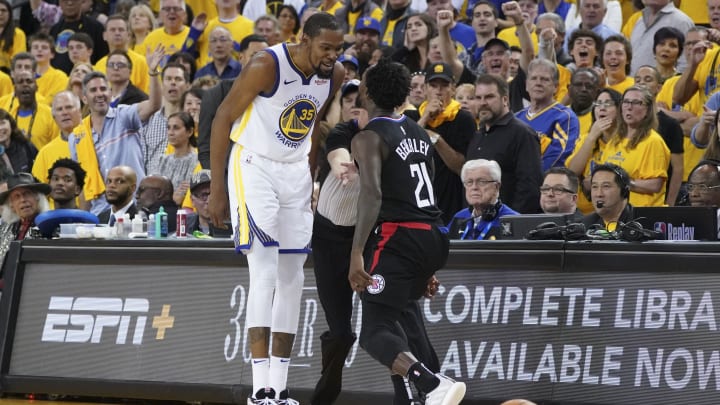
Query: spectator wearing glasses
{"type": "Point", "coordinates": [223, 64]}
{"type": "Point", "coordinates": [481, 220]}
{"type": "Point", "coordinates": [639, 149]}
{"type": "Point", "coordinates": [123, 91]}
{"type": "Point", "coordinates": [559, 193]}
{"type": "Point", "coordinates": [117, 36]}
{"type": "Point", "coordinates": [200, 196]}
{"type": "Point", "coordinates": [173, 32]}
{"type": "Point", "coordinates": [704, 184]}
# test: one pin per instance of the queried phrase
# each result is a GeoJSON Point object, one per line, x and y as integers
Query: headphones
{"type": "Point", "coordinates": [491, 212]}
{"type": "Point", "coordinates": [553, 231]}
{"type": "Point", "coordinates": [622, 178]}
{"type": "Point", "coordinates": [633, 231]}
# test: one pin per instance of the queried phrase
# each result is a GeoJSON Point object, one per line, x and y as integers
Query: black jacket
{"type": "Point", "coordinates": [104, 216]}
{"type": "Point", "coordinates": [516, 148]}
{"type": "Point", "coordinates": [208, 107]}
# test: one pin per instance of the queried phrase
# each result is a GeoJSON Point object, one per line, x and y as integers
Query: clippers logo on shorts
{"type": "Point", "coordinates": [296, 121]}
{"type": "Point", "coordinates": [378, 284]}
{"type": "Point", "coordinates": [84, 319]}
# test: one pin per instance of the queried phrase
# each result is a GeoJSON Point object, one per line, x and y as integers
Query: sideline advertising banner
{"type": "Point", "coordinates": [568, 335]}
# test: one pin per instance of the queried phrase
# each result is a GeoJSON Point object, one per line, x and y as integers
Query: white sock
{"type": "Point", "coordinates": [260, 374]}
{"type": "Point", "coordinates": [278, 373]}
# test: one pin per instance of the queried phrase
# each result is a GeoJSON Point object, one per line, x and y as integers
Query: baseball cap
{"type": "Point", "coordinates": [199, 178]}
{"type": "Point", "coordinates": [496, 41]}
{"type": "Point", "coordinates": [351, 85]}
{"type": "Point", "coordinates": [439, 71]}
{"type": "Point", "coordinates": [367, 23]}
{"type": "Point", "coordinates": [349, 59]}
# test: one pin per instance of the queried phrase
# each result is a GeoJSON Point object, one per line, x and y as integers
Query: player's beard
{"type": "Point", "coordinates": [322, 74]}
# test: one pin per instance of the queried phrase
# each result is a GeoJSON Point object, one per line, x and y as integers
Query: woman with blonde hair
{"type": "Point", "coordinates": [77, 74]}
{"type": "Point", "coordinates": [142, 22]}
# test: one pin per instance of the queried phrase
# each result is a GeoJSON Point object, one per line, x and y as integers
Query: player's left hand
{"type": "Point", "coordinates": [359, 279]}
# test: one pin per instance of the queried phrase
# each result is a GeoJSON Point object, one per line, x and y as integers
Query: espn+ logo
{"type": "Point", "coordinates": [84, 319]}
{"type": "Point", "coordinates": [675, 232]}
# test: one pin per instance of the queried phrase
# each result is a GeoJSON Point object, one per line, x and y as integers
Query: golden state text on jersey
{"type": "Point", "coordinates": [277, 124]}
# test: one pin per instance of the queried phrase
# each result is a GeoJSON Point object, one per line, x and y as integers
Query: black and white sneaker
{"type": "Point", "coordinates": [284, 399]}
{"type": "Point", "coordinates": [449, 392]}
{"type": "Point", "coordinates": [263, 397]}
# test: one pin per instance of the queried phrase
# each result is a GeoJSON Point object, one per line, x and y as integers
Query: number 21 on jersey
{"type": "Point", "coordinates": [424, 194]}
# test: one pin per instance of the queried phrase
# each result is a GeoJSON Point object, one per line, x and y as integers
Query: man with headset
{"type": "Point", "coordinates": [481, 220]}
{"type": "Point", "coordinates": [609, 192]}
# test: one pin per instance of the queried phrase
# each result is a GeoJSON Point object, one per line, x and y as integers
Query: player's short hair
{"type": "Point", "coordinates": [318, 22]}
{"type": "Point", "coordinates": [388, 83]}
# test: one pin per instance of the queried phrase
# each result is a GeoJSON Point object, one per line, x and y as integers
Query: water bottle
{"type": "Point", "coordinates": [151, 226]}
{"type": "Point", "coordinates": [119, 227]}
{"type": "Point", "coordinates": [161, 223]}
{"type": "Point", "coordinates": [137, 224]}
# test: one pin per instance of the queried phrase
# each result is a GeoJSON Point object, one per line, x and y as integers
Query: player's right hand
{"type": "Point", "coordinates": [219, 207]}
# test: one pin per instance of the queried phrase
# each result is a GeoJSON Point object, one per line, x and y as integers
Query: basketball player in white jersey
{"type": "Point", "coordinates": [270, 114]}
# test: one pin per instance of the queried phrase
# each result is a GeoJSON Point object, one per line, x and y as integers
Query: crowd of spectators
{"type": "Point", "coordinates": [128, 90]}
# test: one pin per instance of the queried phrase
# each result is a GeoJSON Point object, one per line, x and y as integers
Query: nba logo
{"type": "Point", "coordinates": [662, 228]}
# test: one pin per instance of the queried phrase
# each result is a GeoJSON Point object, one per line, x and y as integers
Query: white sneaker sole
{"type": "Point", "coordinates": [455, 394]}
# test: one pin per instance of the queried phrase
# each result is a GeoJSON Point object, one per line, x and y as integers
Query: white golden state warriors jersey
{"type": "Point", "coordinates": [278, 125]}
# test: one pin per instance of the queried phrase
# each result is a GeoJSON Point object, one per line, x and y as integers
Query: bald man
{"type": "Point", "coordinates": [120, 184]}
{"type": "Point", "coordinates": [155, 192]}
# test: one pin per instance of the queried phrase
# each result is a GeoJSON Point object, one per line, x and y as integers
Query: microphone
{"type": "Point", "coordinates": [600, 204]}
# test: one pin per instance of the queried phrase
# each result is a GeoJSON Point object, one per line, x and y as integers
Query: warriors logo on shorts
{"type": "Point", "coordinates": [378, 284]}
{"type": "Point", "coordinates": [297, 119]}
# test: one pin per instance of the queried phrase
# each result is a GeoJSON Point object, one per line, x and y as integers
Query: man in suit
{"type": "Point", "coordinates": [120, 185]}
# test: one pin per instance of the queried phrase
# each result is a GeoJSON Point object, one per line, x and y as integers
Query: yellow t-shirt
{"type": "Point", "coordinates": [197, 6]}
{"type": "Point", "coordinates": [389, 31]}
{"type": "Point", "coordinates": [172, 43]}
{"type": "Point", "coordinates": [352, 17]}
{"type": "Point", "coordinates": [6, 84]}
{"type": "Point", "coordinates": [629, 24]}
{"type": "Point", "coordinates": [19, 45]}
{"type": "Point", "coordinates": [583, 203]}
{"type": "Point", "coordinates": [56, 149]}
{"type": "Point", "coordinates": [203, 6]}
{"type": "Point", "coordinates": [627, 9]}
{"type": "Point", "coordinates": [239, 28]}
{"type": "Point", "coordinates": [697, 11]}
{"type": "Point", "coordinates": [139, 74]}
{"type": "Point", "coordinates": [564, 76]}
{"type": "Point", "coordinates": [50, 83]}
{"type": "Point", "coordinates": [39, 125]}
{"type": "Point", "coordinates": [510, 36]}
{"type": "Point", "coordinates": [650, 159]}
{"type": "Point", "coordinates": [707, 74]}
{"type": "Point", "coordinates": [585, 122]}
{"type": "Point", "coordinates": [692, 154]}
{"type": "Point", "coordinates": [334, 8]}
{"type": "Point", "coordinates": [623, 85]}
